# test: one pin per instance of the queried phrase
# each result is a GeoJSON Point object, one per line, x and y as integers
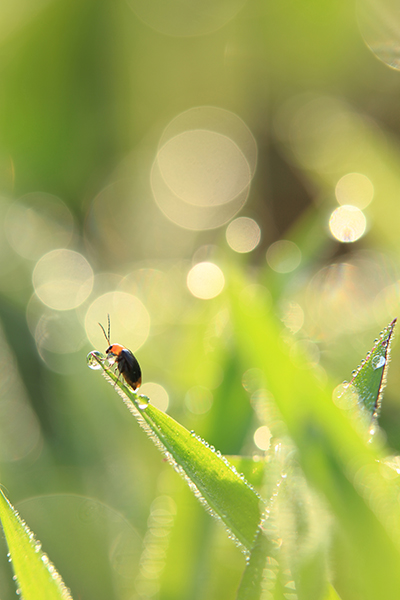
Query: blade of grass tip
{"type": "Point", "coordinates": [213, 480]}
{"type": "Point", "coordinates": [35, 575]}
{"type": "Point", "coordinates": [369, 379]}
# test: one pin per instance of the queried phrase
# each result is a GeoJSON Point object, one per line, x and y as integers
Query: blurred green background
{"type": "Point", "coordinates": [146, 148]}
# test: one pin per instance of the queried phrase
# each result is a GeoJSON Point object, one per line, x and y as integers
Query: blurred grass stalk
{"type": "Point", "coordinates": [334, 458]}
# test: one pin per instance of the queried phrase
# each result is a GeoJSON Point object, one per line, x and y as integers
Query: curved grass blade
{"type": "Point", "coordinates": [36, 577]}
{"type": "Point", "coordinates": [369, 379]}
{"type": "Point", "coordinates": [213, 480]}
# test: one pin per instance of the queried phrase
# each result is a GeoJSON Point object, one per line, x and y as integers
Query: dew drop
{"type": "Point", "coordinates": [378, 362]}
{"type": "Point", "coordinates": [143, 402]}
{"type": "Point", "coordinates": [93, 359]}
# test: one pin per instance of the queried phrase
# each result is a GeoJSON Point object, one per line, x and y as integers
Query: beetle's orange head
{"type": "Point", "coordinates": [114, 350]}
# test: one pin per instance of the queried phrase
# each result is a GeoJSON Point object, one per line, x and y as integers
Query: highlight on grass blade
{"type": "Point", "coordinates": [369, 379]}
{"type": "Point", "coordinates": [366, 387]}
{"type": "Point", "coordinates": [35, 575]}
{"type": "Point", "coordinates": [213, 480]}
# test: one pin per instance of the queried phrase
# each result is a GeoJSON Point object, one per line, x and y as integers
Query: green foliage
{"type": "Point", "coordinates": [35, 576]}
{"type": "Point", "coordinates": [210, 476]}
{"type": "Point", "coordinates": [302, 545]}
{"type": "Point", "coordinates": [320, 471]}
{"type": "Point", "coordinates": [102, 105]}
{"type": "Point", "coordinates": [370, 378]}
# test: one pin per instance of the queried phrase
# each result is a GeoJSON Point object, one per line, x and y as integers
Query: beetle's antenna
{"type": "Point", "coordinates": [104, 331]}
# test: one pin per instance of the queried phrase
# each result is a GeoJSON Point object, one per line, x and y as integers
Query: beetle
{"type": "Point", "coordinates": [127, 363]}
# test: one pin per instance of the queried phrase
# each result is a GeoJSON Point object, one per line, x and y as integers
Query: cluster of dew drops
{"type": "Point", "coordinates": [37, 546]}
{"type": "Point", "coordinates": [378, 361]}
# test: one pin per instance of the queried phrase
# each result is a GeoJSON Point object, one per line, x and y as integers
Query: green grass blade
{"type": "Point", "coordinates": [214, 481]}
{"type": "Point", "coordinates": [331, 594]}
{"type": "Point", "coordinates": [334, 458]}
{"type": "Point", "coordinates": [251, 586]}
{"type": "Point", "coordinates": [370, 377]}
{"type": "Point", "coordinates": [36, 577]}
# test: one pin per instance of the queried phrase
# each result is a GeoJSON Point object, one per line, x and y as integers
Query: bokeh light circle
{"type": "Point", "coordinates": [157, 394]}
{"type": "Point", "coordinates": [243, 234]}
{"type": "Point", "coordinates": [204, 168]}
{"type": "Point", "coordinates": [130, 320]}
{"type": "Point", "coordinates": [283, 256]}
{"type": "Point", "coordinates": [347, 223]}
{"type": "Point", "coordinates": [355, 189]}
{"type": "Point", "coordinates": [63, 279]}
{"type": "Point", "coordinates": [262, 437]}
{"type": "Point", "coordinates": [379, 23]}
{"type": "Point", "coordinates": [205, 162]}
{"type": "Point", "coordinates": [218, 120]}
{"type": "Point", "coordinates": [38, 223]}
{"type": "Point", "coordinates": [189, 216]}
{"type": "Point", "coordinates": [205, 280]}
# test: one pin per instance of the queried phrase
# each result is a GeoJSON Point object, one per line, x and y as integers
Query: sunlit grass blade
{"type": "Point", "coordinates": [331, 594]}
{"type": "Point", "coordinates": [334, 458]}
{"type": "Point", "coordinates": [252, 467]}
{"type": "Point", "coordinates": [36, 577]}
{"type": "Point", "coordinates": [369, 379]}
{"type": "Point", "coordinates": [214, 481]}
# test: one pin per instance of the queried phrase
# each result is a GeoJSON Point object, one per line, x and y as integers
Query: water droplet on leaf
{"type": "Point", "coordinates": [93, 359]}
{"type": "Point", "coordinates": [143, 402]}
{"type": "Point", "coordinates": [378, 362]}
